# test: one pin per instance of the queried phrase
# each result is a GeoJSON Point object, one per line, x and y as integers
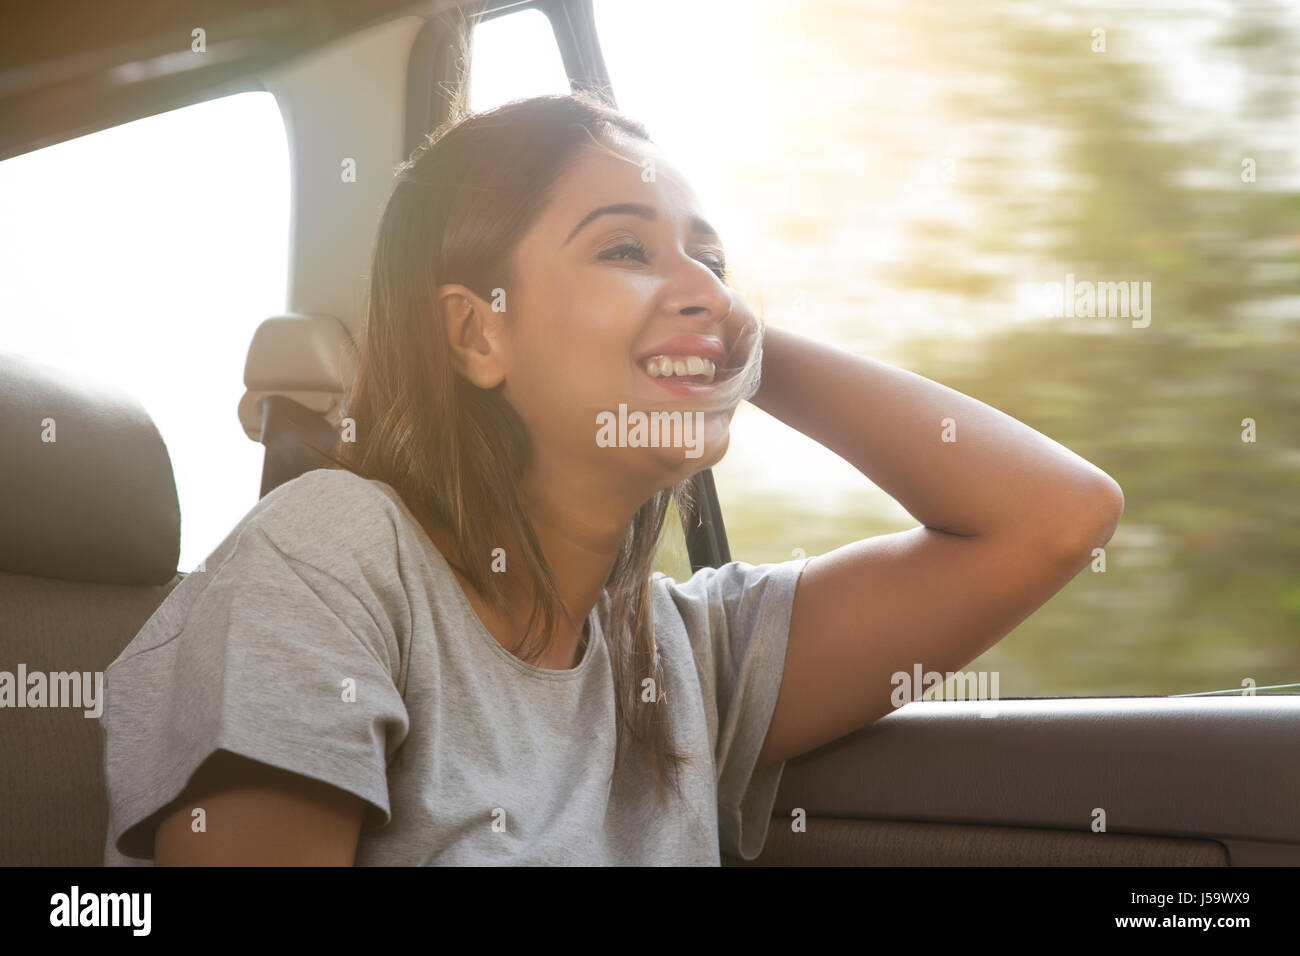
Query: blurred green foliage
{"type": "Point", "coordinates": [1202, 582]}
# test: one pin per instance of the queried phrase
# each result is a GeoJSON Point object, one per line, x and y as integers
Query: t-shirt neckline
{"type": "Point", "coordinates": [532, 670]}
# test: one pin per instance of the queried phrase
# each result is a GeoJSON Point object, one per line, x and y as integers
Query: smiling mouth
{"type": "Point", "coordinates": [692, 369]}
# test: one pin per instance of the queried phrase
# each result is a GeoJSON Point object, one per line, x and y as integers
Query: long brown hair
{"type": "Point", "coordinates": [455, 452]}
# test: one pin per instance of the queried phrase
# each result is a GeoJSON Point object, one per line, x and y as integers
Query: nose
{"type": "Point", "coordinates": [694, 290]}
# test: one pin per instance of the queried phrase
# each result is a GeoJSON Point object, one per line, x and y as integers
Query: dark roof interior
{"type": "Point", "coordinates": [72, 67]}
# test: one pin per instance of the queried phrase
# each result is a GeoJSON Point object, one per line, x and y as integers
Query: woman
{"type": "Point", "coordinates": [453, 650]}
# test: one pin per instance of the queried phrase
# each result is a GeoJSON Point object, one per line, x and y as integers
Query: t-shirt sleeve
{"type": "Point", "coordinates": [289, 652]}
{"type": "Point", "coordinates": [738, 620]}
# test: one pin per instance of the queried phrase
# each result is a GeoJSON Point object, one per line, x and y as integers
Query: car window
{"type": "Point", "coordinates": [144, 257]}
{"type": "Point", "coordinates": [925, 182]}
{"type": "Point", "coordinates": [514, 56]}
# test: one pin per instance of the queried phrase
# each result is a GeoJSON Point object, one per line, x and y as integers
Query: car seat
{"type": "Point", "coordinates": [89, 542]}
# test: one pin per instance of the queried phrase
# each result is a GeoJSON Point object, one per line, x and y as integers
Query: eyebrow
{"type": "Point", "coordinates": [637, 209]}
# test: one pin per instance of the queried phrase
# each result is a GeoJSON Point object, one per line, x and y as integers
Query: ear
{"type": "Point", "coordinates": [475, 335]}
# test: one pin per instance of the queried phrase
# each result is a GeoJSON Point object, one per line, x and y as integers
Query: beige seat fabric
{"type": "Point", "coordinates": [89, 541]}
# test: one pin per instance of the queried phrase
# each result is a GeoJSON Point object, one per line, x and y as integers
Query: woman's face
{"type": "Point", "coordinates": [617, 292]}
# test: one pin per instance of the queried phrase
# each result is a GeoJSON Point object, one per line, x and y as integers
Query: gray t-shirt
{"type": "Point", "coordinates": [328, 636]}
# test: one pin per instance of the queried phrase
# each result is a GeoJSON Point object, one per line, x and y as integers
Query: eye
{"type": "Point", "coordinates": [623, 250]}
{"type": "Point", "coordinates": [718, 265]}
{"type": "Point", "coordinates": [635, 250]}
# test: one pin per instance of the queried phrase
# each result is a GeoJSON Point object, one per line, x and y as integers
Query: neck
{"type": "Point", "coordinates": [580, 528]}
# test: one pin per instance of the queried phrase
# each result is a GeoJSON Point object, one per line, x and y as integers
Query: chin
{"type": "Point", "coordinates": [712, 450]}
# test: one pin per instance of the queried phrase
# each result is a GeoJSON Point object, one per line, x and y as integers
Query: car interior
{"type": "Point", "coordinates": [90, 525]}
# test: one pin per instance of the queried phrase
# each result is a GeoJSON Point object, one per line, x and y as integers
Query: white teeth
{"type": "Point", "coordinates": [663, 366]}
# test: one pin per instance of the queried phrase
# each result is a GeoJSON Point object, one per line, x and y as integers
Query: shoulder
{"type": "Point", "coordinates": [334, 487]}
{"type": "Point", "coordinates": [731, 585]}
{"type": "Point", "coordinates": [727, 604]}
{"type": "Point", "coordinates": [331, 503]}
{"type": "Point", "coordinates": [337, 521]}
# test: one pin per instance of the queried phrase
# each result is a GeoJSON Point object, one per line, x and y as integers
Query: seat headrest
{"type": "Point", "coordinates": [309, 358]}
{"type": "Point", "coordinates": [86, 487]}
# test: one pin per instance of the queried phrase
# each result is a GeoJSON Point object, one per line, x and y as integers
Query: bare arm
{"type": "Point", "coordinates": [258, 815]}
{"type": "Point", "coordinates": [1008, 518]}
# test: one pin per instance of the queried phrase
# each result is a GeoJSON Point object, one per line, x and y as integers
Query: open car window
{"type": "Point", "coordinates": [144, 256]}
{"type": "Point", "coordinates": [1071, 227]}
